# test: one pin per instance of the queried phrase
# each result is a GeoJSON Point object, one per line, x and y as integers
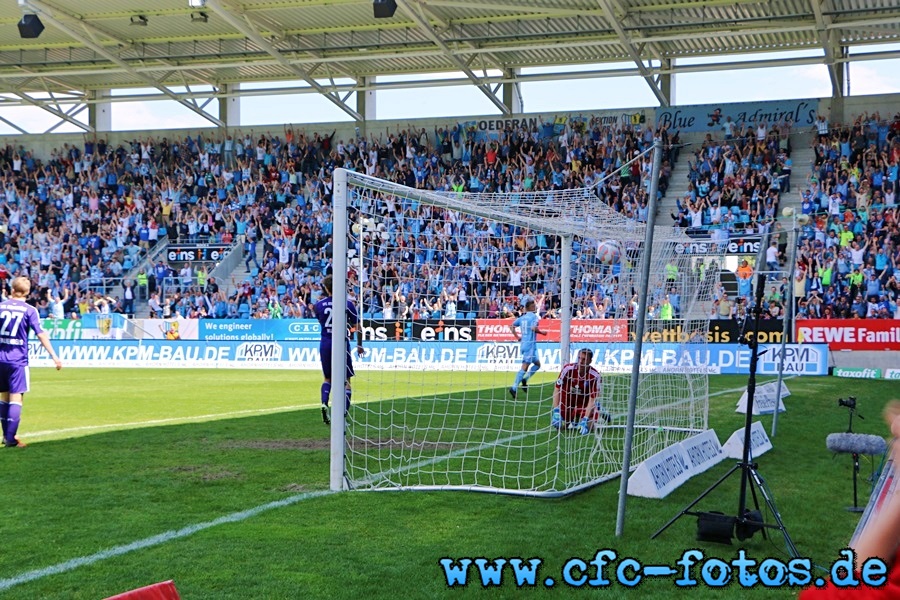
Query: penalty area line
{"type": "Point", "coordinates": [184, 532]}
{"type": "Point", "coordinates": [744, 387]}
{"type": "Point", "coordinates": [155, 540]}
{"type": "Point", "coordinates": [171, 420]}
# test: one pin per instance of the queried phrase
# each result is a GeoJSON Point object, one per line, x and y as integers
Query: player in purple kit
{"type": "Point", "coordinates": [16, 320]}
{"type": "Point", "coordinates": [323, 311]}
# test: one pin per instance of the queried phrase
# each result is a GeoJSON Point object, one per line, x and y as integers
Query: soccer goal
{"type": "Point", "coordinates": [437, 277]}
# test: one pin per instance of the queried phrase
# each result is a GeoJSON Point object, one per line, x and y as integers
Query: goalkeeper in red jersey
{"type": "Point", "coordinates": [576, 396]}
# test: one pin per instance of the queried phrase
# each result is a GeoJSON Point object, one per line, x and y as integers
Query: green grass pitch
{"type": "Point", "coordinates": [117, 456]}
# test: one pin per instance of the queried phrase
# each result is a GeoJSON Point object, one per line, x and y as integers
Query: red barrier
{"type": "Point", "coordinates": [164, 590]}
{"type": "Point", "coordinates": [850, 334]}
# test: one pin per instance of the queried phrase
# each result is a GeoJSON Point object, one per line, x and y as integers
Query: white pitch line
{"type": "Point", "coordinates": [255, 411]}
{"type": "Point", "coordinates": [169, 536]}
{"type": "Point", "coordinates": [155, 540]}
{"type": "Point", "coordinates": [744, 388]}
{"type": "Point", "coordinates": [237, 517]}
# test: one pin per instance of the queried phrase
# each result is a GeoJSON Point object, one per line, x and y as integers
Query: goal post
{"type": "Point", "coordinates": [435, 277]}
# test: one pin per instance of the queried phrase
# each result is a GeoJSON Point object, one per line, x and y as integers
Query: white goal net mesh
{"type": "Point", "coordinates": [439, 277]}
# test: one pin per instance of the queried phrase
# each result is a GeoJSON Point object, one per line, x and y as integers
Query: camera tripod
{"type": "Point", "coordinates": [850, 403]}
{"type": "Point", "coordinates": [853, 412]}
{"type": "Point", "coordinates": [715, 527]}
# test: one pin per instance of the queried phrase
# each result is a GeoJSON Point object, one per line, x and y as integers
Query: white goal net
{"type": "Point", "coordinates": [437, 279]}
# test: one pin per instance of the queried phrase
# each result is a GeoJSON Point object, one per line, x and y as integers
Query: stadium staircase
{"type": "Point", "coordinates": [678, 184]}
{"type": "Point", "coordinates": [803, 156]}
{"type": "Point", "coordinates": [241, 272]}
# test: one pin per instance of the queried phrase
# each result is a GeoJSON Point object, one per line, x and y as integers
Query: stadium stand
{"type": "Point", "coordinates": [83, 222]}
{"type": "Point", "coordinates": [847, 252]}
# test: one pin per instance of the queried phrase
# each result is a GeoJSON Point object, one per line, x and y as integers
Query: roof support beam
{"type": "Point", "coordinates": [613, 21]}
{"type": "Point", "coordinates": [250, 31]}
{"type": "Point", "coordinates": [71, 112]}
{"type": "Point", "coordinates": [368, 86]}
{"type": "Point", "coordinates": [464, 53]}
{"type": "Point", "coordinates": [446, 25]}
{"type": "Point", "coordinates": [96, 33]}
{"type": "Point", "coordinates": [48, 15]}
{"type": "Point", "coordinates": [46, 106]}
{"type": "Point", "coordinates": [264, 23]}
{"type": "Point", "coordinates": [13, 125]}
{"type": "Point", "coordinates": [425, 27]}
{"type": "Point", "coordinates": [826, 40]}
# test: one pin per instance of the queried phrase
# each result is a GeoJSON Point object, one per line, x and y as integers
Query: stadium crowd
{"type": "Point", "coordinates": [84, 217]}
{"type": "Point", "coordinates": [78, 221]}
{"type": "Point", "coordinates": [848, 251]}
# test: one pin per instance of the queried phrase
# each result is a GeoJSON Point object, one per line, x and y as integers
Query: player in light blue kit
{"type": "Point", "coordinates": [528, 325]}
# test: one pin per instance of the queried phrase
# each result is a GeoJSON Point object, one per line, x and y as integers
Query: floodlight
{"type": "Point", "coordinates": [385, 9]}
{"type": "Point", "coordinates": [30, 26]}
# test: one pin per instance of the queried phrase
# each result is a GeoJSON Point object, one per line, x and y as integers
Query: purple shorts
{"type": "Point", "coordinates": [14, 379]}
{"type": "Point", "coordinates": [325, 354]}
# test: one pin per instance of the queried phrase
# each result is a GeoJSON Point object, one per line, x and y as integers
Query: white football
{"type": "Point", "coordinates": [788, 211]}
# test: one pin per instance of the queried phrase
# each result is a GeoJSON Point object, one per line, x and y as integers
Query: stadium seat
{"type": "Point", "coordinates": [378, 315]}
{"type": "Point", "coordinates": [282, 289]}
{"type": "Point", "coordinates": [470, 315]}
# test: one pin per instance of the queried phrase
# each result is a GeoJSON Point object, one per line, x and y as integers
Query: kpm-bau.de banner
{"type": "Point", "coordinates": [839, 334]}
{"type": "Point", "coordinates": [447, 356]}
{"type": "Point", "coordinates": [712, 117]}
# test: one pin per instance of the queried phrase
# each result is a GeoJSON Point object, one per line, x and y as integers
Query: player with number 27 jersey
{"type": "Point", "coordinates": [17, 318]}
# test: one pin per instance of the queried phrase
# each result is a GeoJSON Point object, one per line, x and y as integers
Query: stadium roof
{"type": "Point", "coordinates": [336, 46]}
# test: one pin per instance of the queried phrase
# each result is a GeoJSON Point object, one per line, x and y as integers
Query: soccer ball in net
{"type": "Point", "coordinates": [609, 252]}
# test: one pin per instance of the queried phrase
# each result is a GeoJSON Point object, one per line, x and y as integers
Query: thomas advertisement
{"type": "Point", "coordinates": [587, 330]}
{"type": "Point", "coordinates": [447, 356]}
{"type": "Point", "coordinates": [712, 117]}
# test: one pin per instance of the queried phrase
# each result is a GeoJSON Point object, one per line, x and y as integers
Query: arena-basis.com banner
{"type": "Point", "coordinates": [446, 356]}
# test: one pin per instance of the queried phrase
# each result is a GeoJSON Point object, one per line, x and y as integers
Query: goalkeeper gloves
{"type": "Point", "coordinates": [555, 418]}
{"type": "Point", "coordinates": [583, 426]}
